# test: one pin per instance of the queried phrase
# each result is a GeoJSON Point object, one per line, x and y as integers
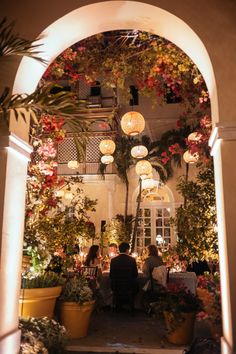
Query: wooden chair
{"type": "Point", "coordinates": [88, 272]}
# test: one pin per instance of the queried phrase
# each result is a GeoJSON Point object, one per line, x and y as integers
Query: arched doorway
{"type": "Point", "coordinates": [130, 14]}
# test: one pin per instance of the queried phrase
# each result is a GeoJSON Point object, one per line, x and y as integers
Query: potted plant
{"type": "Point", "coordinates": [38, 295]}
{"type": "Point", "coordinates": [42, 335]}
{"type": "Point", "coordinates": [76, 306]}
{"type": "Point", "coordinates": [178, 306]}
{"type": "Point", "coordinates": [208, 290]}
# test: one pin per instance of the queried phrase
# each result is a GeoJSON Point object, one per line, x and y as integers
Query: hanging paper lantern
{"type": "Point", "coordinates": [147, 183]}
{"type": "Point", "coordinates": [73, 164]}
{"type": "Point", "coordinates": [150, 175]}
{"type": "Point", "coordinates": [132, 123]}
{"type": "Point", "coordinates": [143, 168]}
{"type": "Point", "coordinates": [190, 158]}
{"type": "Point", "coordinates": [107, 146]}
{"type": "Point", "coordinates": [69, 195]}
{"type": "Point", "coordinates": [139, 151]}
{"type": "Point", "coordinates": [194, 136]}
{"type": "Point", "coordinates": [107, 159]}
{"type": "Point", "coordinates": [60, 193]}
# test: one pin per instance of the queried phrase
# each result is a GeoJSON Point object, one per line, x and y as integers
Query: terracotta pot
{"type": "Point", "coordinates": [76, 318]}
{"type": "Point", "coordinates": [38, 302]}
{"type": "Point", "coordinates": [180, 332]}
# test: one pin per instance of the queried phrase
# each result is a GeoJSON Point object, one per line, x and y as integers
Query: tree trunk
{"type": "Point", "coordinates": [126, 201]}
{"type": "Point", "coordinates": [136, 216]}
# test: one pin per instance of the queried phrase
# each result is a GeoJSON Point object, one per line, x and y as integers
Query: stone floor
{"type": "Point", "coordinates": [121, 332]}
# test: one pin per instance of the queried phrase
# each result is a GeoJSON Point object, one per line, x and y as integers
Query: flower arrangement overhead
{"type": "Point", "coordinates": [162, 70]}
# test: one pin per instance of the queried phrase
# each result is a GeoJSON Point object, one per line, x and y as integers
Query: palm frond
{"type": "Point", "coordinates": [12, 44]}
{"type": "Point", "coordinates": [62, 104]}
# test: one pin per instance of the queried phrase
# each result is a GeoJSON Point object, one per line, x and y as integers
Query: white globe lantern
{"type": "Point", "coordinates": [60, 193]}
{"type": "Point", "coordinates": [190, 158]}
{"type": "Point", "coordinates": [73, 164]}
{"type": "Point", "coordinates": [143, 168]}
{"type": "Point", "coordinates": [149, 176]}
{"type": "Point", "coordinates": [147, 183]}
{"type": "Point", "coordinates": [107, 159]}
{"type": "Point", "coordinates": [195, 136]}
{"type": "Point", "coordinates": [132, 123]}
{"type": "Point", "coordinates": [69, 196]}
{"type": "Point", "coordinates": [139, 151]}
{"type": "Point", "coordinates": [107, 146]}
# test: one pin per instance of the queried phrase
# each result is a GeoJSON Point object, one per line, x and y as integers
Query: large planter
{"type": "Point", "coordinates": [38, 302]}
{"type": "Point", "coordinates": [76, 318]}
{"type": "Point", "coordinates": [180, 332]}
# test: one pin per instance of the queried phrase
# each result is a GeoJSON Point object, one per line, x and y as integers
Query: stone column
{"type": "Point", "coordinates": [14, 156]}
{"type": "Point", "coordinates": [223, 143]}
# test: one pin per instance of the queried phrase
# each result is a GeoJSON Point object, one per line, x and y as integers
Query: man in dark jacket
{"type": "Point", "coordinates": [123, 274]}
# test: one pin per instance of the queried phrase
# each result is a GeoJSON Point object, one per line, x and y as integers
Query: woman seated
{"type": "Point", "coordinates": [93, 259]}
{"type": "Point", "coordinates": [153, 260]}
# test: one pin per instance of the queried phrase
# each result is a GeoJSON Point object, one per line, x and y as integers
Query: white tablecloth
{"type": "Point", "coordinates": [188, 279]}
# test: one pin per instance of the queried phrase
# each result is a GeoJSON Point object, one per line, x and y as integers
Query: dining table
{"type": "Point", "coordinates": [188, 279]}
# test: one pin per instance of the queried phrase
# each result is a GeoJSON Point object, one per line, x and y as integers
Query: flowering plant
{"type": "Point", "coordinates": [77, 290]}
{"type": "Point", "coordinates": [41, 335]}
{"type": "Point", "coordinates": [176, 299]}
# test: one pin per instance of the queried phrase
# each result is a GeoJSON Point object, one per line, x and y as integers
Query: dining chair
{"type": "Point", "coordinates": [88, 272]}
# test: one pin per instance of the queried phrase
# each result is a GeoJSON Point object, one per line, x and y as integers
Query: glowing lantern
{"type": "Point", "coordinates": [107, 147]}
{"type": "Point", "coordinates": [194, 136]}
{"type": "Point", "coordinates": [73, 164]}
{"type": "Point", "coordinates": [69, 196]}
{"type": "Point", "coordinates": [190, 158]}
{"type": "Point", "coordinates": [107, 159]}
{"type": "Point", "coordinates": [60, 193]}
{"type": "Point", "coordinates": [149, 176]}
{"type": "Point", "coordinates": [143, 168]}
{"type": "Point", "coordinates": [132, 123]}
{"type": "Point", "coordinates": [139, 151]}
{"type": "Point", "coordinates": [147, 183]}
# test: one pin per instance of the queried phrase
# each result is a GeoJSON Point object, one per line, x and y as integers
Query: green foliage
{"type": "Point", "coordinates": [13, 44]}
{"type": "Point", "coordinates": [35, 331]}
{"type": "Point", "coordinates": [196, 219]}
{"type": "Point", "coordinates": [77, 290]}
{"type": "Point", "coordinates": [46, 280]}
{"type": "Point", "coordinates": [116, 231]}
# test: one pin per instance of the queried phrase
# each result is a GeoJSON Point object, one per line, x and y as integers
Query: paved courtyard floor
{"type": "Point", "coordinates": [121, 332]}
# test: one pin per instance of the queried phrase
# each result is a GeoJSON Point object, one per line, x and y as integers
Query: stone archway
{"type": "Point", "coordinates": [81, 23]}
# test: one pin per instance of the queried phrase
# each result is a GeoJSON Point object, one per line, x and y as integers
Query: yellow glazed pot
{"type": "Point", "coordinates": [38, 302]}
{"type": "Point", "coordinates": [76, 318]}
{"type": "Point", "coordinates": [180, 332]}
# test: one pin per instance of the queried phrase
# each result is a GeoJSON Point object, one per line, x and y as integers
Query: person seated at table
{"type": "Point", "coordinates": [93, 257]}
{"type": "Point", "coordinates": [113, 250]}
{"type": "Point", "coordinates": [199, 267]}
{"type": "Point", "coordinates": [153, 260]}
{"type": "Point", "coordinates": [123, 275]}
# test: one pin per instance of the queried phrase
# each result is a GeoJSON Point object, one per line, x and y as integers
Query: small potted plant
{"type": "Point", "coordinates": [42, 335]}
{"type": "Point", "coordinates": [178, 306]}
{"type": "Point", "coordinates": [76, 306]}
{"type": "Point", "coordinates": [38, 295]}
